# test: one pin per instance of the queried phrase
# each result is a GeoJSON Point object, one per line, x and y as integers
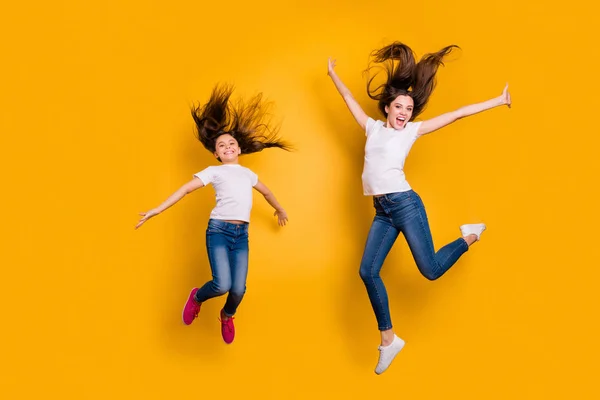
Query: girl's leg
{"type": "Point", "coordinates": [238, 259]}
{"type": "Point", "coordinates": [418, 235]}
{"type": "Point", "coordinates": [218, 257]}
{"type": "Point", "coordinates": [380, 240]}
{"type": "Point", "coordinates": [217, 246]}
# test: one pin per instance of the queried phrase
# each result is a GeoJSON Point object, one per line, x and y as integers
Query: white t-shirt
{"type": "Point", "coordinates": [385, 152]}
{"type": "Point", "coordinates": [233, 188]}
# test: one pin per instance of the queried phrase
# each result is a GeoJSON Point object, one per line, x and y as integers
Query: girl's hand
{"type": "Point", "coordinates": [281, 217]}
{"type": "Point", "coordinates": [146, 216]}
{"type": "Point", "coordinates": [330, 66]}
{"type": "Point", "coordinates": [506, 96]}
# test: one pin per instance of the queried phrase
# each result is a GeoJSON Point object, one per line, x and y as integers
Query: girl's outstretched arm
{"type": "Point", "coordinates": [270, 197]}
{"type": "Point", "coordinates": [438, 122]}
{"type": "Point", "coordinates": [352, 104]}
{"type": "Point", "coordinates": [189, 187]}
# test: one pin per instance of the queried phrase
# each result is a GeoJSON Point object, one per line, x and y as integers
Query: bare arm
{"type": "Point", "coordinates": [438, 122]}
{"type": "Point", "coordinates": [270, 197]}
{"type": "Point", "coordinates": [189, 187]}
{"type": "Point", "coordinates": [352, 104]}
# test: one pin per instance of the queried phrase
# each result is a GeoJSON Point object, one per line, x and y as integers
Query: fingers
{"type": "Point", "coordinates": [281, 219]}
{"type": "Point", "coordinates": [145, 216]}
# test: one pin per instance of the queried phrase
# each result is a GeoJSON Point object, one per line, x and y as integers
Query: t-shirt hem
{"type": "Point", "coordinates": [247, 220]}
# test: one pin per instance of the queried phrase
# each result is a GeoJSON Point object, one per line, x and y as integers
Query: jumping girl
{"type": "Point", "coordinates": [227, 131]}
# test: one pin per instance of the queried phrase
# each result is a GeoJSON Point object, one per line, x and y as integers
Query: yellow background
{"type": "Point", "coordinates": [95, 127]}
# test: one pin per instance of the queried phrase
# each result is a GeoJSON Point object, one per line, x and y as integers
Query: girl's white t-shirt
{"type": "Point", "coordinates": [386, 150]}
{"type": "Point", "coordinates": [233, 189]}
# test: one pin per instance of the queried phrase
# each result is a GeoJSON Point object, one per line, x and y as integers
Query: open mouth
{"type": "Point", "coordinates": [400, 120]}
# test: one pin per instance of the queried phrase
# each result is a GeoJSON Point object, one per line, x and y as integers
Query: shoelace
{"type": "Point", "coordinates": [228, 323]}
{"type": "Point", "coordinates": [196, 309]}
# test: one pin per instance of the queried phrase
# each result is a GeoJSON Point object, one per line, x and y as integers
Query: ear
{"type": "Point", "coordinates": [216, 155]}
{"type": "Point", "coordinates": [387, 110]}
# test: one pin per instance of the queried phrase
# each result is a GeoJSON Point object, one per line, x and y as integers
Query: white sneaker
{"type": "Point", "coordinates": [472, 229]}
{"type": "Point", "coordinates": [387, 354]}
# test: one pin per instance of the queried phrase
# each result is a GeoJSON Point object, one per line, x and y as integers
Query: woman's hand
{"type": "Point", "coordinates": [146, 216]}
{"type": "Point", "coordinates": [330, 66]}
{"type": "Point", "coordinates": [506, 96]}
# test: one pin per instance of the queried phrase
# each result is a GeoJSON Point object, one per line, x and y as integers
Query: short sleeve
{"type": "Point", "coordinates": [206, 176]}
{"type": "Point", "coordinates": [414, 128]}
{"type": "Point", "coordinates": [370, 125]}
{"type": "Point", "coordinates": [253, 178]}
{"type": "Point", "coordinates": [373, 126]}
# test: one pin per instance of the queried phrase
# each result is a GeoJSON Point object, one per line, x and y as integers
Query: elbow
{"type": "Point", "coordinates": [456, 115]}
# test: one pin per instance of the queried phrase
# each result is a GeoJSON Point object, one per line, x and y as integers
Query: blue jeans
{"type": "Point", "coordinates": [402, 212]}
{"type": "Point", "coordinates": [227, 247]}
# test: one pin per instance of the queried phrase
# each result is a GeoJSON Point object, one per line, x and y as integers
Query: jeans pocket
{"type": "Point", "coordinates": [213, 228]}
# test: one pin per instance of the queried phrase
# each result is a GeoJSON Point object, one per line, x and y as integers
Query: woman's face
{"type": "Point", "coordinates": [399, 111]}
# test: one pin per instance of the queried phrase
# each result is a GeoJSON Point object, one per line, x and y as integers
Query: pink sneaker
{"type": "Point", "coordinates": [227, 328]}
{"type": "Point", "coordinates": [191, 309]}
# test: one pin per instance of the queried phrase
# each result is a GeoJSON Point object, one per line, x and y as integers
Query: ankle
{"type": "Point", "coordinates": [387, 337]}
{"type": "Point", "coordinates": [470, 239]}
{"type": "Point", "coordinates": [224, 317]}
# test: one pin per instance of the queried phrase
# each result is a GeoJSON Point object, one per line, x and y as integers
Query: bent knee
{"type": "Point", "coordinates": [221, 288]}
{"type": "Point", "coordinates": [367, 275]}
{"type": "Point", "coordinates": [239, 292]}
{"type": "Point", "coordinates": [430, 274]}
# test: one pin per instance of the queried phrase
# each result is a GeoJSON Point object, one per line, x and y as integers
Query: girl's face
{"type": "Point", "coordinates": [227, 149]}
{"type": "Point", "coordinates": [399, 111]}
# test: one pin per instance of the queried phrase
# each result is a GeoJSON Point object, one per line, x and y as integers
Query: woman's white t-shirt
{"type": "Point", "coordinates": [385, 152]}
{"type": "Point", "coordinates": [233, 189]}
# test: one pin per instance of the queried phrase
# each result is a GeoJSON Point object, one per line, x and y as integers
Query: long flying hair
{"type": "Point", "coordinates": [404, 75]}
{"type": "Point", "coordinates": [248, 122]}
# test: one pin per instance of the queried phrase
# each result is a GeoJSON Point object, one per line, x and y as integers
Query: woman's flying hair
{"type": "Point", "coordinates": [404, 75]}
